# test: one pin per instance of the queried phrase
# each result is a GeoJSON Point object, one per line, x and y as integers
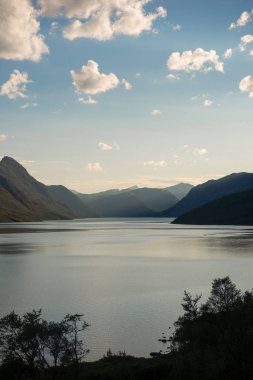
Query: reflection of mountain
{"type": "Point", "coordinates": [236, 209]}
{"type": "Point", "coordinates": [210, 191]}
{"type": "Point", "coordinates": [15, 249]}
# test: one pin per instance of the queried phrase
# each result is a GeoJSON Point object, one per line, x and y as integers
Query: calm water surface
{"type": "Point", "coordinates": [127, 276]}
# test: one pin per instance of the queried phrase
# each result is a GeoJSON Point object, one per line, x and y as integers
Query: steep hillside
{"type": "Point", "coordinates": [72, 201]}
{"type": "Point", "coordinates": [180, 190]}
{"type": "Point", "coordinates": [235, 209]}
{"type": "Point", "coordinates": [211, 190]}
{"type": "Point", "coordinates": [24, 198]}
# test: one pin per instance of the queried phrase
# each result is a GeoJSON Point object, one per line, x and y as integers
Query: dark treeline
{"type": "Point", "coordinates": [212, 340]}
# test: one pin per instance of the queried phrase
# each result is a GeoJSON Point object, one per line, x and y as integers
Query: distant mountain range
{"type": "Point", "coordinates": [228, 200]}
{"type": "Point", "coordinates": [133, 202]}
{"type": "Point", "coordinates": [23, 198]}
{"type": "Point", "coordinates": [210, 191]}
{"type": "Point", "coordinates": [234, 209]}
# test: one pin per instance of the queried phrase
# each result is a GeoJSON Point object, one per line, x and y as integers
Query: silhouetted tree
{"type": "Point", "coordinates": [224, 296]}
{"type": "Point", "coordinates": [40, 346]}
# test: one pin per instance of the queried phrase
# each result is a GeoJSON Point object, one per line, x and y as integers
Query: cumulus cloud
{"type": "Point", "coordinates": [102, 20]}
{"type": "Point", "coordinates": [156, 112]}
{"type": "Point", "coordinates": [19, 31]}
{"type": "Point", "coordinates": [173, 77]}
{"type": "Point", "coordinates": [126, 84]}
{"type": "Point", "coordinates": [245, 40]}
{"type": "Point", "coordinates": [90, 81]}
{"type": "Point", "coordinates": [3, 137]}
{"type": "Point", "coordinates": [94, 167]}
{"type": "Point", "coordinates": [16, 86]}
{"type": "Point", "coordinates": [155, 164]}
{"type": "Point", "coordinates": [246, 85]}
{"type": "Point", "coordinates": [89, 101]}
{"type": "Point", "coordinates": [243, 20]}
{"type": "Point", "coordinates": [228, 53]}
{"type": "Point", "coordinates": [106, 147]}
{"type": "Point", "coordinates": [200, 151]}
{"type": "Point", "coordinates": [197, 60]}
{"type": "Point", "coordinates": [207, 103]}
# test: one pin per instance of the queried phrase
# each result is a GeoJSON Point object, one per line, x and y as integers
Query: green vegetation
{"type": "Point", "coordinates": [213, 340]}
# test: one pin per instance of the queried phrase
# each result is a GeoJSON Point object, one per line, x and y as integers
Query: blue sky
{"type": "Point", "coordinates": [156, 118]}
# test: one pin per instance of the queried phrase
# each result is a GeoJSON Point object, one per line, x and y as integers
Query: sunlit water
{"type": "Point", "coordinates": [126, 276]}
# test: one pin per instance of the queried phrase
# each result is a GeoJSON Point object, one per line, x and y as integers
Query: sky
{"type": "Point", "coordinates": [100, 94]}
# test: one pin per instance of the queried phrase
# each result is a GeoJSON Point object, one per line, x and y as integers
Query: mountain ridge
{"type": "Point", "coordinates": [209, 191]}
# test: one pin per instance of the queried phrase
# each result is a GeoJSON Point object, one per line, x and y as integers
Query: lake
{"type": "Point", "coordinates": [127, 276]}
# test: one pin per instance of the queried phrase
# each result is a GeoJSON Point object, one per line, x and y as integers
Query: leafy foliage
{"type": "Point", "coordinates": [211, 341]}
{"type": "Point", "coordinates": [39, 346]}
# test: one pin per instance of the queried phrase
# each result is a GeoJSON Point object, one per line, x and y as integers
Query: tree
{"type": "Point", "coordinates": [75, 352]}
{"type": "Point", "coordinates": [42, 346]}
{"type": "Point", "coordinates": [190, 305]}
{"type": "Point", "coordinates": [224, 295]}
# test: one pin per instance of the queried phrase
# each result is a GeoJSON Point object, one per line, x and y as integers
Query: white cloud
{"type": "Point", "coordinates": [228, 53]}
{"type": "Point", "coordinates": [155, 164]}
{"type": "Point", "coordinates": [243, 20]}
{"type": "Point", "coordinates": [28, 105]}
{"type": "Point", "coordinates": [207, 103]}
{"type": "Point", "coordinates": [19, 31]}
{"type": "Point", "coordinates": [3, 137]}
{"type": "Point", "coordinates": [197, 60]}
{"type": "Point", "coordinates": [173, 77]}
{"type": "Point", "coordinates": [90, 101]}
{"type": "Point", "coordinates": [193, 98]}
{"type": "Point", "coordinates": [105, 146]}
{"type": "Point", "coordinates": [102, 20]}
{"type": "Point", "coordinates": [156, 112]}
{"type": "Point", "coordinates": [16, 86]}
{"type": "Point", "coordinates": [126, 84]}
{"type": "Point", "coordinates": [94, 167]}
{"type": "Point", "coordinates": [246, 85]}
{"type": "Point", "coordinates": [176, 27]}
{"type": "Point", "coordinates": [54, 27]}
{"type": "Point", "coordinates": [245, 40]}
{"type": "Point", "coordinates": [90, 81]}
{"type": "Point", "coordinates": [200, 151]}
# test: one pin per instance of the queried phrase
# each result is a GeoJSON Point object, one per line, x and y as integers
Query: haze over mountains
{"type": "Point", "coordinates": [23, 198]}
{"type": "Point", "coordinates": [134, 201]}
{"type": "Point", "coordinates": [228, 200]}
